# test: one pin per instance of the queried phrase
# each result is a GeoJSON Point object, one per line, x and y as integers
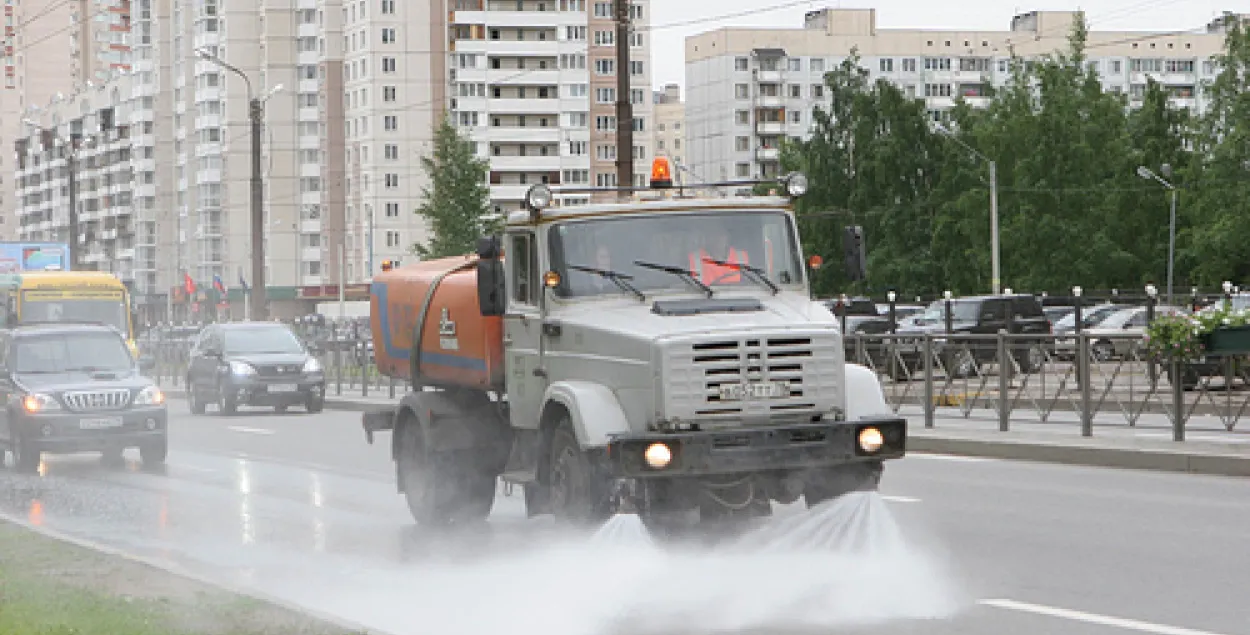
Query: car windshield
{"type": "Point", "coordinates": [68, 309]}
{"type": "Point", "coordinates": [688, 245]}
{"type": "Point", "coordinates": [65, 352]}
{"type": "Point", "coordinates": [253, 340]}
{"type": "Point", "coordinates": [1090, 316]}
{"type": "Point", "coordinates": [961, 311]}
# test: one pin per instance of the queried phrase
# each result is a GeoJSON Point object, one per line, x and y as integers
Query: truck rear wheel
{"type": "Point", "coordinates": [577, 496]}
{"type": "Point", "coordinates": [442, 488]}
{"type": "Point", "coordinates": [830, 483]}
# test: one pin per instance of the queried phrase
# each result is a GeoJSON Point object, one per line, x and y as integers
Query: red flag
{"type": "Point", "coordinates": [188, 283]}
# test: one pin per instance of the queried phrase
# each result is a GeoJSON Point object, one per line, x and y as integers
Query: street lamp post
{"type": "Point", "coordinates": [256, 114]}
{"type": "Point", "coordinates": [995, 261]}
{"type": "Point", "coordinates": [1146, 173]}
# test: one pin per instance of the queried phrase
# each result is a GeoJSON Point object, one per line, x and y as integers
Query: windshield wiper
{"type": "Point", "coordinates": [678, 271]}
{"type": "Point", "coordinates": [619, 279]}
{"type": "Point", "coordinates": [757, 274]}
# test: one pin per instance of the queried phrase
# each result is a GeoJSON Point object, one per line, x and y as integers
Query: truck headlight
{"type": "Point", "coordinates": [39, 402]}
{"type": "Point", "coordinates": [312, 366]}
{"type": "Point", "coordinates": [870, 440]}
{"type": "Point", "coordinates": [239, 369]}
{"type": "Point", "coordinates": [150, 396]}
{"type": "Point", "coordinates": [658, 455]}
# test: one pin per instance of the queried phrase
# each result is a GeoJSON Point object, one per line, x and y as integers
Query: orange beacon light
{"type": "Point", "coordinates": [661, 173]}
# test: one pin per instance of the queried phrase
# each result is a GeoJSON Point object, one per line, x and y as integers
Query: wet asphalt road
{"type": "Point", "coordinates": [301, 507]}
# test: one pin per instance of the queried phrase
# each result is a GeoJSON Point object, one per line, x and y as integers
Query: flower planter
{"type": "Point", "coordinates": [1228, 340]}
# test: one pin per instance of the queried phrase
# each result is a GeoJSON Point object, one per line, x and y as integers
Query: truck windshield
{"type": "Point", "coordinates": [708, 245]}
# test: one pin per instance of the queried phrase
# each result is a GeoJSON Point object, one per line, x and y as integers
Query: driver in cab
{"type": "Point", "coordinates": [705, 261]}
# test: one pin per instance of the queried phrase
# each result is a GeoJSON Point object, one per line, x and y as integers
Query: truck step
{"type": "Point", "coordinates": [520, 477]}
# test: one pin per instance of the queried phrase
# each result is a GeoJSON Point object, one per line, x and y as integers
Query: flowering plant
{"type": "Point", "coordinates": [1183, 336]}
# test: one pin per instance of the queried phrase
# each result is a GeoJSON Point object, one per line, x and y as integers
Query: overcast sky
{"type": "Point", "coordinates": [673, 18]}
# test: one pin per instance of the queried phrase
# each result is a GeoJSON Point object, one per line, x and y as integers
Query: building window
{"type": "Point", "coordinates": [392, 239]}
{"type": "Point", "coordinates": [886, 65]}
{"type": "Point", "coordinates": [391, 152]}
{"type": "Point", "coordinates": [389, 93]}
{"type": "Point", "coordinates": [389, 65]}
{"type": "Point", "coordinates": [390, 122]}
{"type": "Point", "coordinates": [388, 36]}
{"type": "Point", "coordinates": [392, 181]}
{"type": "Point", "coordinates": [742, 91]}
{"type": "Point", "coordinates": [388, 7]}
{"type": "Point", "coordinates": [392, 210]}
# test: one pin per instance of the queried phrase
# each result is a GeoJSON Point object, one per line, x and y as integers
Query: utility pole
{"type": "Point", "coordinates": [996, 280]}
{"type": "Point", "coordinates": [71, 160]}
{"type": "Point", "coordinates": [260, 303]}
{"type": "Point", "coordinates": [624, 107]}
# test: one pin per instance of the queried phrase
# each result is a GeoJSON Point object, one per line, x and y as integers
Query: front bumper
{"type": "Point", "coordinates": [66, 432]}
{"type": "Point", "coordinates": [748, 450]}
{"type": "Point", "coordinates": [284, 391]}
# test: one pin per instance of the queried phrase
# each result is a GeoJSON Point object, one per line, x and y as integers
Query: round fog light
{"type": "Point", "coordinates": [151, 423]}
{"type": "Point", "coordinates": [46, 430]}
{"type": "Point", "coordinates": [870, 439]}
{"type": "Point", "coordinates": [658, 455]}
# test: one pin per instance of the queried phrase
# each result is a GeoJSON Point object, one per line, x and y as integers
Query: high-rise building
{"type": "Point", "coordinates": [670, 131]}
{"type": "Point", "coordinates": [747, 89]}
{"type": "Point", "coordinates": [534, 84]}
{"type": "Point", "coordinates": [51, 50]}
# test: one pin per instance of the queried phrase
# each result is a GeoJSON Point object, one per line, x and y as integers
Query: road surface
{"type": "Point", "coordinates": [299, 506]}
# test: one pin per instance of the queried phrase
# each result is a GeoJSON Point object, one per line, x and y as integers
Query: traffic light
{"type": "Point", "coordinates": [854, 253]}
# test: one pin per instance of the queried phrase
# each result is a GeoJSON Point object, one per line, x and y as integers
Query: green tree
{"type": "Point", "coordinates": [456, 203]}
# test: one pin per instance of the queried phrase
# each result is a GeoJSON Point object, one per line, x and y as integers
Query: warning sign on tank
{"type": "Point", "coordinates": [447, 339]}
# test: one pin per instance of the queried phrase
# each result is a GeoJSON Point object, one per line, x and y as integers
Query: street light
{"type": "Point", "coordinates": [1145, 173]}
{"type": "Point", "coordinates": [995, 272]}
{"type": "Point", "coordinates": [891, 296]}
{"type": "Point", "coordinates": [259, 300]}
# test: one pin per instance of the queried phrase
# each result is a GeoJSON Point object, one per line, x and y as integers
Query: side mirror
{"type": "Point", "coordinates": [147, 363]}
{"type": "Point", "coordinates": [135, 323]}
{"type": "Point", "coordinates": [489, 248]}
{"type": "Point", "coordinates": [491, 296]}
{"type": "Point", "coordinates": [10, 320]}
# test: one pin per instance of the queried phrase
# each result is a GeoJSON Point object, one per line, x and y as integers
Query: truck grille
{"type": "Point", "coordinates": [95, 400]}
{"type": "Point", "coordinates": [753, 362]}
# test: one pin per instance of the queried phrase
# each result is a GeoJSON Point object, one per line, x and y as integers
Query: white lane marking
{"type": "Point", "coordinates": [900, 499]}
{"type": "Point", "coordinates": [951, 457]}
{"type": "Point", "coordinates": [250, 430]}
{"type": "Point", "coordinates": [1093, 618]}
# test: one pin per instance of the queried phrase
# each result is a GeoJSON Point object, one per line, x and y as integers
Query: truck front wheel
{"type": "Point", "coordinates": [576, 495]}
{"type": "Point", "coordinates": [442, 489]}
{"type": "Point", "coordinates": [830, 483]}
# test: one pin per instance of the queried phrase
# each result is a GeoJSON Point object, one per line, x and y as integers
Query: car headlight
{"type": "Point", "coordinates": [39, 402]}
{"type": "Point", "coordinates": [239, 369]}
{"type": "Point", "coordinates": [150, 396]}
{"type": "Point", "coordinates": [313, 365]}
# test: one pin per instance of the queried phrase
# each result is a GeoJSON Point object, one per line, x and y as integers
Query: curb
{"type": "Point", "coordinates": [1189, 462]}
{"type": "Point", "coordinates": [180, 571]}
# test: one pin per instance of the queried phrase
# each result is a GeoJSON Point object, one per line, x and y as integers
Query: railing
{"type": "Point", "coordinates": [1091, 380]}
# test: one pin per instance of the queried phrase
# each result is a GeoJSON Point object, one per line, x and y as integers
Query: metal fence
{"type": "Point", "coordinates": [1084, 379]}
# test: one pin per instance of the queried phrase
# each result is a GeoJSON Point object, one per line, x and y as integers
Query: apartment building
{"type": "Point", "coordinates": [747, 89]}
{"type": "Point", "coordinates": [50, 49]}
{"type": "Point", "coordinates": [670, 130]}
{"type": "Point", "coordinates": [534, 83]}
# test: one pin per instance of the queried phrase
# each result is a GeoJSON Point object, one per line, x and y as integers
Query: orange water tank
{"type": "Point", "coordinates": [458, 346]}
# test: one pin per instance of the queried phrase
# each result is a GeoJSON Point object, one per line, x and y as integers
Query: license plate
{"type": "Point", "coordinates": [283, 388]}
{"type": "Point", "coordinates": [100, 423]}
{"type": "Point", "coordinates": [761, 390]}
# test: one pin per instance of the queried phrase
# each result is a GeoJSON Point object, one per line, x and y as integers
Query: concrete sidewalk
{"type": "Point", "coordinates": [1209, 449]}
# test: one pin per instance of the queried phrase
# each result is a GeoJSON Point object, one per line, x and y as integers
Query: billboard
{"type": "Point", "coordinates": [16, 257]}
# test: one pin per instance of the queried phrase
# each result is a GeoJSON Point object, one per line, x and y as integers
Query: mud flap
{"type": "Point", "coordinates": [377, 421]}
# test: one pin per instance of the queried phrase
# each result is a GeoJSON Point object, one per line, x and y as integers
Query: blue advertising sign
{"type": "Point", "coordinates": [16, 257]}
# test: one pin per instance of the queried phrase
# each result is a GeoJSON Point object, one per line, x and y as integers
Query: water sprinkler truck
{"type": "Point", "coordinates": [659, 355]}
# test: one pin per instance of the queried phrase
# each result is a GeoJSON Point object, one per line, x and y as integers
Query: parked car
{"type": "Point", "coordinates": [253, 364]}
{"type": "Point", "coordinates": [73, 388]}
{"type": "Point", "coordinates": [1107, 339]}
{"type": "Point", "coordinates": [1091, 316]}
{"type": "Point", "coordinates": [1016, 314]}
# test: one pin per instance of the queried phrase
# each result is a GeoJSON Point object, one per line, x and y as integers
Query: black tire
{"type": "Point", "coordinates": [959, 363]}
{"type": "Point", "coordinates": [442, 488]}
{"type": "Point", "coordinates": [577, 495]}
{"type": "Point", "coordinates": [1031, 360]}
{"type": "Point", "coordinates": [314, 404]}
{"type": "Point", "coordinates": [25, 460]}
{"type": "Point", "coordinates": [1189, 377]}
{"type": "Point", "coordinates": [227, 403]}
{"type": "Point", "coordinates": [154, 453]}
{"type": "Point", "coordinates": [828, 484]}
{"type": "Point", "coordinates": [193, 400]}
{"type": "Point", "coordinates": [1102, 351]}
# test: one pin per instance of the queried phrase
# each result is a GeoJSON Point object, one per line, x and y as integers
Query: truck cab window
{"type": "Point", "coordinates": [524, 268]}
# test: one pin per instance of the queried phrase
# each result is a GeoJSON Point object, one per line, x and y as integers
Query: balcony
{"type": "Point", "coordinates": [768, 77]}
{"type": "Point", "coordinates": [767, 154]}
{"type": "Point", "coordinates": [516, 106]}
{"type": "Point", "coordinates": [770, 101]}
{"type": "Point", "coordinates": [538, 163]}
{"type": "Point", "coordinates": [770, 128]}
{"type": "Point", "coordinates": [523, 48]}
{"type": "Point", "coordinates": [519, 135]}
